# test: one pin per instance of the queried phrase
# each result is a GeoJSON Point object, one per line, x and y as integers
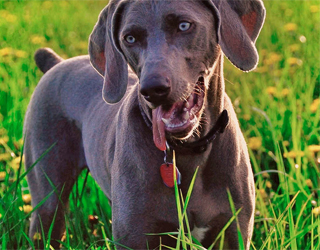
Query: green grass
{"type": "Point", "coordinates": [277, 106]}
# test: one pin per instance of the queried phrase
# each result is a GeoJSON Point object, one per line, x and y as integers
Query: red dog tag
{"type": "Point", "coordinates": [166, 171]}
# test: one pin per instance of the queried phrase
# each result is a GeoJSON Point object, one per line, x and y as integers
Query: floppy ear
{"type": "Point", "coordinates": [105, 56]}
{"type": "Point", "coordinates": [240, 25]}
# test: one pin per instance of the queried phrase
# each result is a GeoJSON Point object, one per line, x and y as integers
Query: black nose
{"type": "Point", "coordinates": [155, 89]}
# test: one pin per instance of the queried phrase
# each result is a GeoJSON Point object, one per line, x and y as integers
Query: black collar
{"type": "Point", "coordinates": [200, 145]}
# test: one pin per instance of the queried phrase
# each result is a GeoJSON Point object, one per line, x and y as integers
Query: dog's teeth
{"type": "Point", "coordinates": [186, 115]}
{"type": "Point", "coordinates": [166, 121]}
{"type": "Point", "coordinates": [186, 105]}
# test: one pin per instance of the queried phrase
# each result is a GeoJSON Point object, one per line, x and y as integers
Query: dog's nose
{"type": "Point", "coordinates": [155, 89]}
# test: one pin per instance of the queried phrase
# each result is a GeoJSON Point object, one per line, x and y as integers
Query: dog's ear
{"type": "Point", "coordinates": [240, 25]}
{"type": "Point", "coordinates": [105, 54]}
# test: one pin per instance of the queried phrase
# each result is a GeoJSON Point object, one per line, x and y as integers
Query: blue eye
{"type": "Point", "coordinates": [130, 39]}
{"type": "Point", "coordinates": [184, 26]}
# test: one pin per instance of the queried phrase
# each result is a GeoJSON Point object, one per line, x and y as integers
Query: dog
{"type": "Point", "coordinates": [152, 85]}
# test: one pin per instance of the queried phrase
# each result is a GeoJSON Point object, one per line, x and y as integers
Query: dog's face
{"type": "Point", "coordinates": [172, 47]}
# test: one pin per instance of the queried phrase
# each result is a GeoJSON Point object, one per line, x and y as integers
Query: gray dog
{"type": "Point", "coordinates": [152, 83]}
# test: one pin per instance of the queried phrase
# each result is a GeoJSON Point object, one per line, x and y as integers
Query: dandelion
{"type": "Point", "coordinates": [286, 143]}
{"type": "Point", "coordinates": [37, 236]}
{"type": "Point", "coordinates": [15, 163]}
{"type": "Point", "coordinates": [35, 39]}
{"type": "Point", "coordinates": [314, 148]}
{"type": "Point", "coordinates": [4, 139]}
{"type": "Point", "coordinates": [269, 184]}
{"type": "Point", "coordinates": [246, 117]}
{"type": "Point", "coordinates": [273, 58]}
{"type": "Point", "coordinates": [26, 198]}
{"type": "Point", "coordinates": [263, 193]}
{"type": "Point", "coordinates": [6, 15]}
{"type": "Point", "coordinates": [254, 143]}
{"type": "Point", "coordinates": [82, 45]}
{"type": "Point", "coordinates": [309, 183]}
{"type": "Point", "coordinates": [20, 54]}
{"type": "Point", "coordinates": [47, 4]}
{"type": "Point", "coordinates": [315, 105]}
{"type": "Point", "coordinates": [6, 51]}
{"type": "Point", "coordinates": [293, 60]}
{"type": "Point", "coordinates": [2, 175]}
{"type": "Point", "coordinates": [5, 156]}
{"type": "Point", "coordinates": [26, 209]}
{"type": "Point", "coordinates": [294, 47]}
{"type": "Point", "coordinates": [302, 39]}
{"type": "Point", "coordinates": [316, 211]}
{"type": "Point", "coordinates": [271, 90]}
{"type": "Point", "coordinates": [0, 216]}
{"type": "Point", "coordinates": [314, 8]}
{"type": "Point", "coordinates": [285, 92]}
{"type": "Point", "coordinates": [293, 154]}
{"type": "Point", "coordinates": [266, 175]}
{"type": "Point", "coordinates": [290, 27]}
{"type": "Point", "coordinates": [3, 131]}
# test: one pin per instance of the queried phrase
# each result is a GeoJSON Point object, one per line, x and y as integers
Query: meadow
{"type": "Point", "coordinates": [278, 106]}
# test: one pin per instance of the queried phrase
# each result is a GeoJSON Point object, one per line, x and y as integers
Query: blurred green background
{"type": "Point", "coordinates": [278, 107]}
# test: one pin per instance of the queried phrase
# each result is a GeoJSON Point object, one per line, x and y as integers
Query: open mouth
{"type": "Point", "coordinates": [180, 120]}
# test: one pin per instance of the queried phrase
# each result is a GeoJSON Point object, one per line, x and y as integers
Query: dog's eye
{"type": "Point", "coordinates": [130, 39]}
{"type": "Point", "coordinates": [184, 26]}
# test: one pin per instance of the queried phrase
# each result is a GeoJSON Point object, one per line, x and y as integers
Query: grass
{"type": "Point", "coordinates": [278, 107]}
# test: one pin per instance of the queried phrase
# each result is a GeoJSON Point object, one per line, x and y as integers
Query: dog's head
{"type": "Point", "coordinates": [172, 46]}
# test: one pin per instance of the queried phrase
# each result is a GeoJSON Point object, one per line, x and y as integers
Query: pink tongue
{"type": "Point", "coordinates": [159, 136]}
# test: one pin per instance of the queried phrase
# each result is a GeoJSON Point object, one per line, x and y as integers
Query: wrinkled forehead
{"type": "Point", "coordinates": [151, 12]}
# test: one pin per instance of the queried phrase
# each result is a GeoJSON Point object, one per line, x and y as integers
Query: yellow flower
{"type": "Point", "coordinates": [0, 216]}
{"type": "Point", "coordinates": [26, 198]}
{"type": "Point", "coordinates": [273, 58]}
{"type": "Point", "coordinates": [254, 143]}
{"type": "Point", "coordinates": [263, 193]}
{"type": "Point", "coordinates": [316, 211]}
{"type": "Point", "coordinates": [294, 47]}
{"type": "Point", "coordinates": [293, 60]}
{"type": "Point", "coordinates": [314, 105]}
{"type": "Point", "coordinates": [15, 163]}
{"type": "Point", "coordinates": [285, 92]}
{"type": "Point", "coordinates": [35, 39]}
{"type": "Point", "coordinates": [26, 209]}
{"type": "Point", "coordinates": [314, 8]}
{"type": "Point", "coordinates": [5, 156]}
{"type": "Point", "coordinates": [246, 117]}
{"type": "Point", "coordinates": [309, 183]}
{"type": "Point", "coordinates": [293, 154]}
{"type": "Point", "coordinates": [265, 175]}
{"type": "Point", "coordinates": [2, 175]}
{"type": "Point", "coordinates": [290, 27]}
{"type": "Point", "coordinates": [314, 148]}
{"type": "Point", "coordinates": [271, 90]}
{"type": "Point", "coordinates": [2, 131]}
{"type": "Point", "coordinates": [6, 51]}
{"type": "Point", "coordinates": [37, 236]}
{"type": "Point", "coordinates": [47, 4]}
{"type": "Point", "coordinates": [268, 184]}
{"type": "Point", "coordinates": [21, 54]}
{"type": "Point", "coordinates": [4, 139]}
{"type": "Point", "coordinates": [10, 18]}
{"type": "Point", "coordinates": [82, 45]}
{"type": "Point", "coordinates": [286, 143]}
